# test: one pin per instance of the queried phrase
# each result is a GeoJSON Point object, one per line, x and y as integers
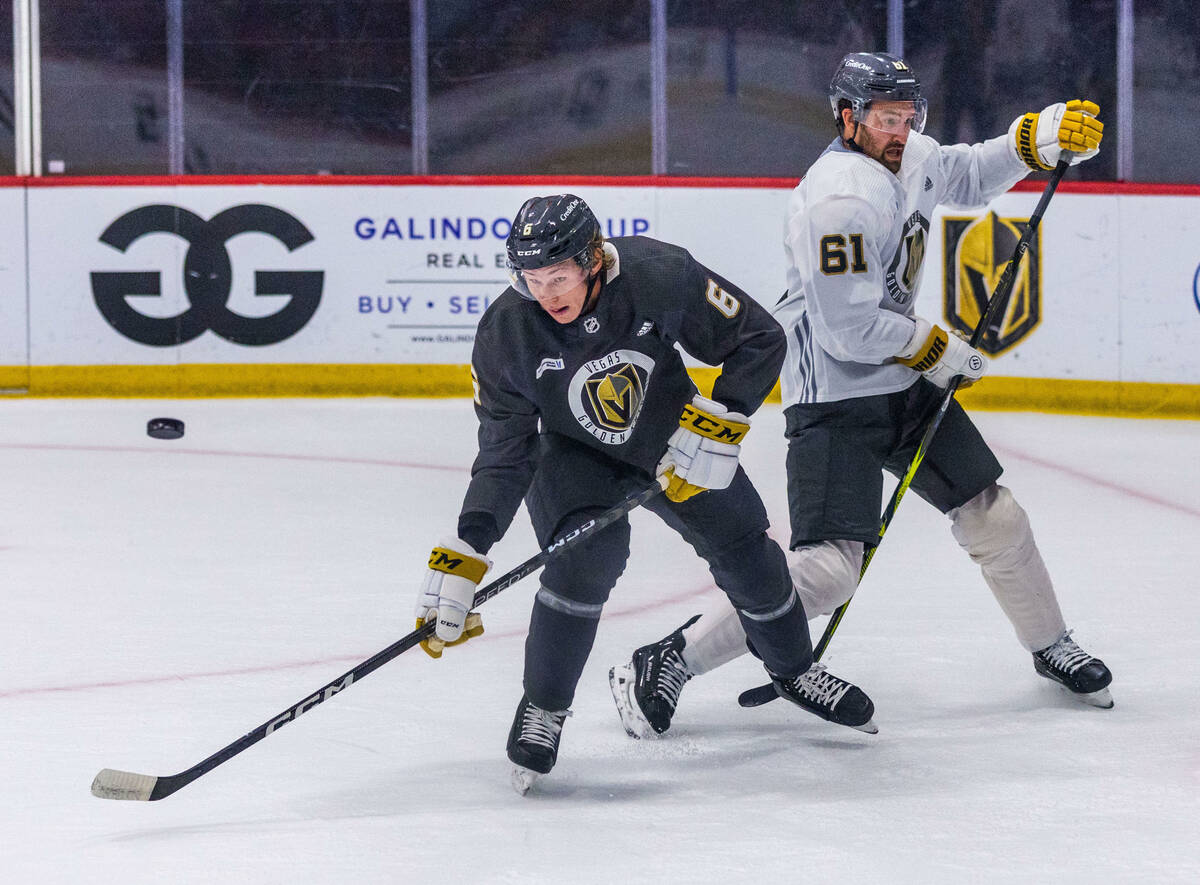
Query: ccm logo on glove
{"type": "Point", "coordinates": [447, 593]}
{"type": "Point", "coordinates": [451, 562]}
{"type": "Point", "coordinates": [710, 426]}
{"type": "Point", "coordinates": [703, 451]}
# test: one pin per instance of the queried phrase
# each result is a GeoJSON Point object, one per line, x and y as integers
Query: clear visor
{"type": "Point", "coordinates": [518, 280]}
{"type": "Point", "coordinates": [547, 282]}
{"type": "Point", "coordinates": [895, 117]}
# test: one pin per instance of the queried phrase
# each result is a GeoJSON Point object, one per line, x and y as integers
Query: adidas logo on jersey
{"type": "Point", "coordinates": [928, 183]}
{"type": "Point", "coordinates": [645, 329]}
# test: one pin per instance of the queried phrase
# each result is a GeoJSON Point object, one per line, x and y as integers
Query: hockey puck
{"type": "Point", "coordinates": [164, 428]}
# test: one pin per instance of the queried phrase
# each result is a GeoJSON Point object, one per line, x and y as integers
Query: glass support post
{"type": "Point", "coordinates": [658, 87]}
{"type": "Point", "coordinates": [175, 142]}
{"type": "Point", "coordinates": [1125, 90]}
{"type": "Point", "coordinates": [420, 87]}
{"type": "Point", "coordinates": [895, 28]}
{"type": "Point", "coordinates": [27, 88]}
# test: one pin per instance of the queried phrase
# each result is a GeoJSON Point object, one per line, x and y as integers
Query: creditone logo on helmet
{"type": "Point", "coordinates": [606, 394]}
{"type": "Point", "coordinates": [858, 64]}
{"type": "Point", "coordinates": [566, 213]}
{"type": "Point", "coordinates": [977, 250]}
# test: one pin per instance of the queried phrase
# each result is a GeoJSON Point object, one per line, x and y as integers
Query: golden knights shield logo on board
{"type": "Point", "coordinates": [977, 250]}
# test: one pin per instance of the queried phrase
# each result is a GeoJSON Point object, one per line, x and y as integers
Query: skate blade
{"type": "Point", "coordinates": [1101, 698]}
{"type": "Point", "coordinates": [868, 727]}
{"type": "Point", "coordinates": [620, 680]}
{"type": "Point", "coordinates": [523, 778]}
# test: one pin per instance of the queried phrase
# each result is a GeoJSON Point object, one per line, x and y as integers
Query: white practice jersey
{"type": "Point", "coordinates": [855, 242]}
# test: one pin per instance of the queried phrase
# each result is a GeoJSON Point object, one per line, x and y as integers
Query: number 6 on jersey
{"type": "Point", "coordinates": [722, 300]}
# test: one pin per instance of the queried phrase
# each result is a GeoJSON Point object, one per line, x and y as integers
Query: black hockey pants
{"type": "Point", "coordinates": [727, 527]}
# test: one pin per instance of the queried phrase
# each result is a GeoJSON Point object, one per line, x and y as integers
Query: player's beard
{"type": "Point", "coordinates": [896, 149]}
{"type": "Point", "coordinates": [876, 144]}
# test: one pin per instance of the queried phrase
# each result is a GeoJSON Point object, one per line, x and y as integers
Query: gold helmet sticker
{"type": "Point", "coordinates": [977, 250]}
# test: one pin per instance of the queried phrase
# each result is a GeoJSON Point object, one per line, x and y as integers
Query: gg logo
{"type": "Point", "coordinates": [207, 277]}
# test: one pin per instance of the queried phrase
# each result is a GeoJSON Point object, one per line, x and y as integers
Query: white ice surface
{"type": "Point", "coordinates": [160, 599]}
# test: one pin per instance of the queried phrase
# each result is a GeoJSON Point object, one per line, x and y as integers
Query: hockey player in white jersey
{"type": "Point", "coordinates": [864, 374]}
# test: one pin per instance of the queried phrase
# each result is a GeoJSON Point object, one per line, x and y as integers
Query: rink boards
{"type": "Point", "coordinates": [360, 286]}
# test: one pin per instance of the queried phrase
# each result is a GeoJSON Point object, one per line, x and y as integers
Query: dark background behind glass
{"type": "Point", "coordinates": [104, 86]}
{"type": "Point", "coordinates": [523, 87]}
{"type": "Point", "coordinates": [7, 131]}
{"type": "Point", "coordinates": [294, 86]}
{"type": "Point", "coordinates": [527, 87]}
{"type": "Point", "coordinates": [984, 63]}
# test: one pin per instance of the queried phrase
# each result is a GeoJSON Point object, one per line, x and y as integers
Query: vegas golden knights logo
{"type": "Point", "coordinates": [615, 397]}
{"type": "Point", "coordinates": [606, 394]}
{"type": "Point", "coordinates": [976, 251]}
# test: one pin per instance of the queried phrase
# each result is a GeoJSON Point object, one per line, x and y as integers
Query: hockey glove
{"type": "Point", "coordinates": [703, 453]}
{"type": "Point", "coordinates": [1041, 138]}
{"type": "Point", "coordinates": [448, 591]}
{"type": "Point", "coordinates": [939, 356]}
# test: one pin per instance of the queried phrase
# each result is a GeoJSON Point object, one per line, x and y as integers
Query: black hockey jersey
{"type": "Point", "coordinates": [611, 379]}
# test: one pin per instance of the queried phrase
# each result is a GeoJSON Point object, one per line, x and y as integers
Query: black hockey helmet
{"type": "Point", "coordinates": [864, 77]}
{"type": "Point", "coordinates": [548, 230]}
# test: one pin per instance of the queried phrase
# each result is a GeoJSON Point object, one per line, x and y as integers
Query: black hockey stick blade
{"type": "Point", "coordinates": [764, 694]}
{"type": "Point", "coordinates": [759, 695]}
{"type": "Point", "coordinates": [113, 783]}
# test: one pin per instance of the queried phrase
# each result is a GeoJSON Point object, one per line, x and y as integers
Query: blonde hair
{"type": "Point", "coordinates": [596, 245]}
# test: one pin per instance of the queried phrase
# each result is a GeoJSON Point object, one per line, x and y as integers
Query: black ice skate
{"type": "Point", "coordinates": [533, 743]}
{"type": "Point", "coordinates": [646, 690]}
{"type": "Point", "coordinates": [820, 692]}
{"type": "Point", "coordinates": [1087, 678]}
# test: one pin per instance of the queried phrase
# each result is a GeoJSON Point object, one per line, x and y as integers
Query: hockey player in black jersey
{"type": "Point", "coordinates": [582, 399]}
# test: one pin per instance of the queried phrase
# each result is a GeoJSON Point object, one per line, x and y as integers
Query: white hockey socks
{"type": "Point", "coordinates": [824, 575]}
{"type": "Point", "coordinates": [995, 532]}
{"type": "Point", "coordinates": [716, 639]}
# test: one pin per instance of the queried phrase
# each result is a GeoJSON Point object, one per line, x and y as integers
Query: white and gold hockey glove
{"type": "Point", "coordinates": [1041, 138]}
{"type": "Point", "coordinates": [940, 356]}
{"type": "Point", "coordinates": [447, 593]}
{"type": "Point", "coordinates": [702, 453]}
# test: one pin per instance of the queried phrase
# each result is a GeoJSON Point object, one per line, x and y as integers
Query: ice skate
{"type": "Point", "coordinates": [1084, 676]}
{"type": "Point", "coordinates": [523, 779]}
{"type": "Point", "coordinates": [533, 743]}
{"type": "Point", "coordinates": [646, 690]}
{"type": "Point", "coordinates": [829, 697]}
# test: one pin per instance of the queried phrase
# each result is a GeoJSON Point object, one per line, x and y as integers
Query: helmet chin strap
{"type": "Point", "coordinates": [851, 143]}
{"type": "Point", "coordinates": [589, 303]}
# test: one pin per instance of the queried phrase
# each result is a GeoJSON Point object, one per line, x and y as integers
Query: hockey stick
{"type": "Point", "coordinates": [113, 784]}
{"type": "Point", "coordinates": [763, 694]}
